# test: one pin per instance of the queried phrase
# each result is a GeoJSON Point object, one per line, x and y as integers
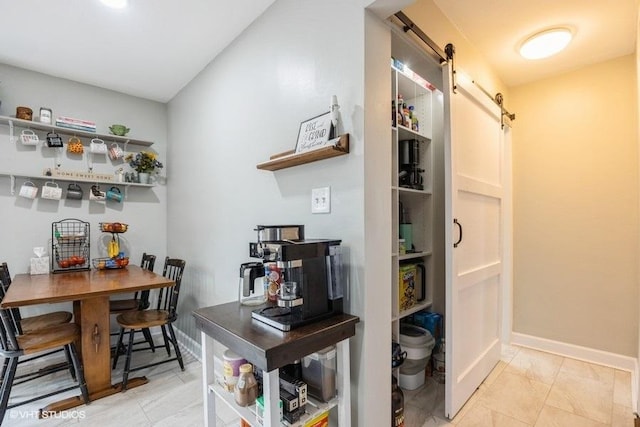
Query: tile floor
{"type": "Point", "coordinates": [532, 388]}
{"type": "Point", "coordinates": [527, 388]}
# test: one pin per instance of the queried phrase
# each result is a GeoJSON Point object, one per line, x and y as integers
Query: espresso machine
{"type": "Point", "coordinates": [310, 273]}
{"type": "Point", "coordinates": [409, 170]}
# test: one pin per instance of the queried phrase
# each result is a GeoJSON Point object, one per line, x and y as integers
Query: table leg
{"type": "Point", "coordinates": [208, 375]}
{"type": "Point", "coordinates": [93, 317]}
{"type": "Point", "coordinates": [271, 392]}
{"type": "Point", "coordinates": [94, 347]}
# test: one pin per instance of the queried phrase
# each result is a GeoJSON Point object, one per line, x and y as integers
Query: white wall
{"type": "Point", "coordinates": [575, 164]}
{"type": "Point", "coordinates": [27, 223]}
{"type": "Point", "coordinates": [244, 107]}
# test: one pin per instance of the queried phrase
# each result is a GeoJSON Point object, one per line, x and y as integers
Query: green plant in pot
{"type": "Point", "coordinates": [145, 163]}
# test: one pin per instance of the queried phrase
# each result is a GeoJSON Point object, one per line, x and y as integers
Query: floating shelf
{"type": "Point", "coordinates": [12, 121]}
{"type": "Point", "coordinates": [290, 158]}
{"type": "Point", "coordinates": [74, 179]}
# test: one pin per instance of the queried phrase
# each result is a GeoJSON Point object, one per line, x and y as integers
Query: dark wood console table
{"type": "Point", "coordinates": [269, 349]}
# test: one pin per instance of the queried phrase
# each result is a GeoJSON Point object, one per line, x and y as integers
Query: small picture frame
{"type": "Point", "coordinates": [314, 133]}
{"type": "Point", "coordinates": [45, 115]}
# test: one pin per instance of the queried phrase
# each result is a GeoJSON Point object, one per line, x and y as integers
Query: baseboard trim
{"type": "Point", "coordinates": [189, 344]}
{"type": "Point", "coordinates": [591, 355]}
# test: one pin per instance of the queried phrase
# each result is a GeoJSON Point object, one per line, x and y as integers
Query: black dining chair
{"type": "Point", "coordinates": [163, 316]}
{"type": "Point", "coordinates": [140, 300]}
{"type": "Point", "coordinates": [29, 324]}
{"type": "Point", "coordinates": [13, 346]}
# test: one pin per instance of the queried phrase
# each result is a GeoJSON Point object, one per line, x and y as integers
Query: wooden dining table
{"type": "Point", "coordinates": [90, 292]}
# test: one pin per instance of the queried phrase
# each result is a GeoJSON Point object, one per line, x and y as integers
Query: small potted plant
{"type": "Point", "coordinates": [145, 163]}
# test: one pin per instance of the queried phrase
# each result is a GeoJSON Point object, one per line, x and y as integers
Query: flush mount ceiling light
{"type": "Point", "coordinates": [116, 4]}
{"type": "Point", "coordinates": [545, 43]}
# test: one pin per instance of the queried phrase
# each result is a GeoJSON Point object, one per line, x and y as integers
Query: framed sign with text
{"type": "Point", "coordinates": [314, 133]}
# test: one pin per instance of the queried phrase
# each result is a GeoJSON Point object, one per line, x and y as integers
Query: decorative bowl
{"type": "Point", "coordinates": [113, 227]}
{"type": "Point", "coordinates": [109, 263]}
{"type": "Point", "coordinates": [119, 130]}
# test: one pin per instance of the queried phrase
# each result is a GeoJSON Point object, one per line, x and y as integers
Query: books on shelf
{"type": "Point", "coordinates": [76, 127]}
{"type": "Point", "coordinates": [78, 124]}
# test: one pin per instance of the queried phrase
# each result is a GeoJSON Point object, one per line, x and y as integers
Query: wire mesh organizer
{"type": "Point", "coordinates": [70, 245]}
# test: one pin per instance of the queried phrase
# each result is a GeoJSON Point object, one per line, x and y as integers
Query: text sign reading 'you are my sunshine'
{"type": "Point", "coordinates": [314, 133]}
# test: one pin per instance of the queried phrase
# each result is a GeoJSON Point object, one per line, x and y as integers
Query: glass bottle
{"type": "Point", "coordinates": [397, 404]}
{"type": "Point", "coordinates": [246, 391]}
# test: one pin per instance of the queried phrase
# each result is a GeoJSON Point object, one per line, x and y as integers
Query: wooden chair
{"type": "Point", "coordinates": [163, 316]}
{"type": "Point", "coordinates": [29, 324]}
{"type": "Point", "coordinates": [13, 346]}
{"type": "Point", "coordinates": [140, 301]}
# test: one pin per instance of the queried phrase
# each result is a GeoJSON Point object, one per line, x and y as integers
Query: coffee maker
{"type": "Point", "coordinates": [409, 170]}
{"type": "Point", "coordinates": [311, 277]}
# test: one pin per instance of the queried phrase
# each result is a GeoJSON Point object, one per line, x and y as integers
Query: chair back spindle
{"type": "Point", "coordinates": [148, 263]}
{"type": "Point", "coordinates": [168, 297]}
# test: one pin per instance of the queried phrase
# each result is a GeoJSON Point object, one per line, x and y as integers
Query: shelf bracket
{"type": "Point", "coordinates": [13, 185]}
{"type": "Point", "coordinates": [126, 191]}
{"type": "Point", "coordinates": [12, 137]}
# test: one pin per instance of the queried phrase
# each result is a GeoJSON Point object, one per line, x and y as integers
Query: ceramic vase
{"type": "Point", "coordinates": [143, 177]}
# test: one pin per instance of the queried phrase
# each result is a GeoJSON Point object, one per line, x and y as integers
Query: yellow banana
{"type": "Point", "coordinates": [113, 248]}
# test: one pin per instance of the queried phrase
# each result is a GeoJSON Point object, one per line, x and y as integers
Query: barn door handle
{"type": "Point", "coordinates": [455, 221]}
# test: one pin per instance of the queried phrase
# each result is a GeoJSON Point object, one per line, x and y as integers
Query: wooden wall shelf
{"type": "Point", "coordinates": [289, 158]}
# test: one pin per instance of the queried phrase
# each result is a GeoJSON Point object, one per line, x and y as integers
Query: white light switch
{"type": "Point", "coordinates": [321, 200]}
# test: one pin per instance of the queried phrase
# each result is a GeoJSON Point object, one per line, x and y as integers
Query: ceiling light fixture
{"type": "Point", "coordinates": [116, 4]}
{"type": "Point", "coordinates": [545, 43]}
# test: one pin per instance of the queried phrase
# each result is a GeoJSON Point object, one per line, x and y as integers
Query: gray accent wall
{"type": "Point", "coordinates": [27, 223]}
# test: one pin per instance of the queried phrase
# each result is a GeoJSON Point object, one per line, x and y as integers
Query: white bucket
{"type": "Point", "coordinates": [416, 341]}
{"type": "Point", "coordinates": [412, 374]}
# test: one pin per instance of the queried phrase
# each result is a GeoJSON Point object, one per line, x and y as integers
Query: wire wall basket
{"type": "Point", "coordinates": [70, 246]}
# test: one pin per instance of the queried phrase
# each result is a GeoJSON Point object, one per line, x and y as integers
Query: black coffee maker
{"type": "Point", "coordinates": [311, 283]}
{"type": "Point", "coordinates": [409, 170]}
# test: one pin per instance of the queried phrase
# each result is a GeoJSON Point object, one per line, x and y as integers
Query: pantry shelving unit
{"type": "Point", "coordinates": [411, 201]}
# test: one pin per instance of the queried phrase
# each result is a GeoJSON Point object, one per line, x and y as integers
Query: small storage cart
{"type": "Point", "coordinates": [70, 245]}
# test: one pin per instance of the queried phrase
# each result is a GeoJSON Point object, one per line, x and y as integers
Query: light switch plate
{"type": "Point", "coordinates": [321, 200]}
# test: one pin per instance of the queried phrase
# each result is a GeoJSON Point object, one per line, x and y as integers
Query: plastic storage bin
{"type": "Point", "coordinates": [319, 372]}
{"type": "Point", "coordinates": [412, 374]}
{"type": "Point", "coordinates": [418, 343]}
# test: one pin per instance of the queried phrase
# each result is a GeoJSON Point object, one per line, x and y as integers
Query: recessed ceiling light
{"type": "Point", "coordinates": [545, 43]}
{"type": "Point", "coordinates": [116, 4]}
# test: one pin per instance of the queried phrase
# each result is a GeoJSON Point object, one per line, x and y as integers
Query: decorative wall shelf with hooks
{"type": "Point", "coordinates": [28, 124]}
{"type": "Point", "coordinates": [290, 158]}
{"type": "Point", "coordinates": [126, 185]}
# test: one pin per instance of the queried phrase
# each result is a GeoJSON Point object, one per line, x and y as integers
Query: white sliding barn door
{"type": "Point", "coordinates": [474, 214]}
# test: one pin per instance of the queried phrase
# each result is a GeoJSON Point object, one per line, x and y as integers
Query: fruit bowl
{"type": "Point", "coordinates": [113, 227]}
{"type": "Point", "coordinates": [110, 263]}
